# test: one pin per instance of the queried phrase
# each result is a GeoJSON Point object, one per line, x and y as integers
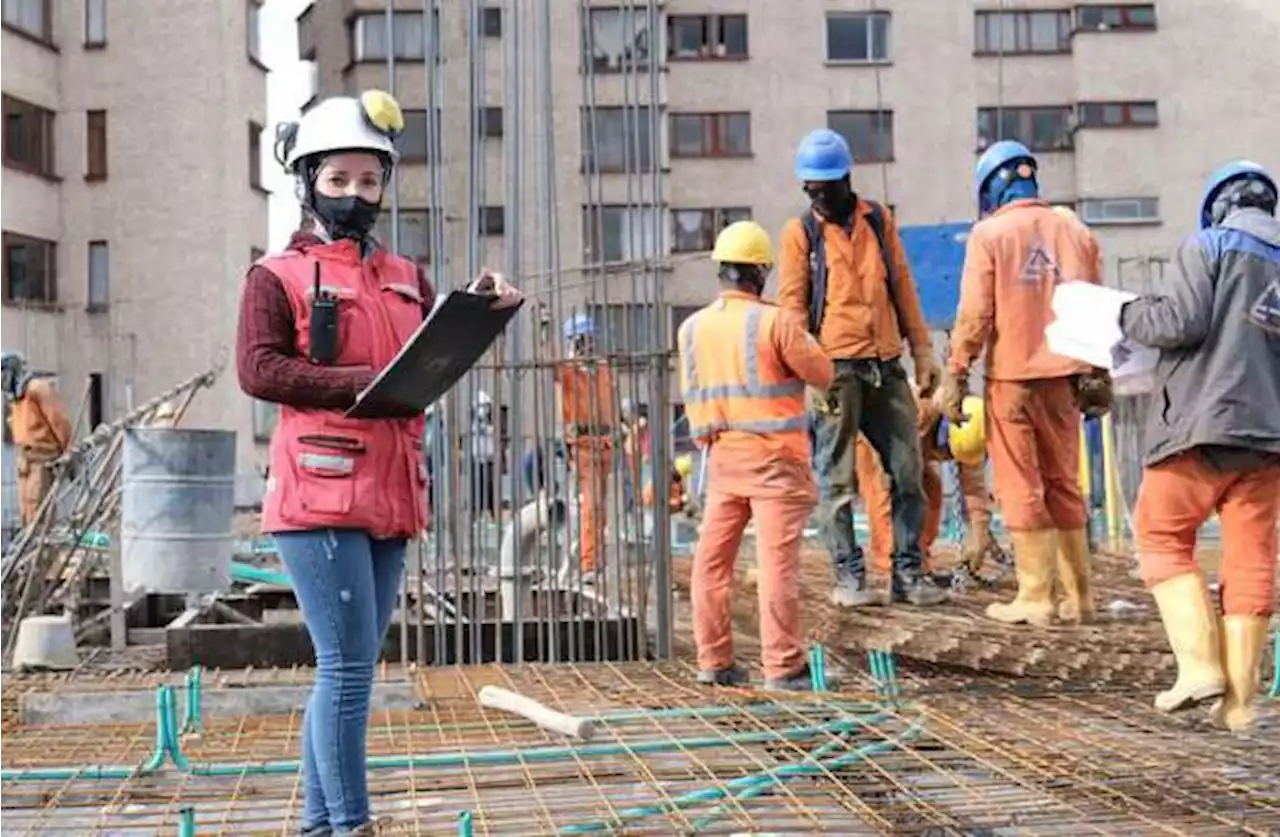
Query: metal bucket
{"type": "Point", "coordinates": [176, 512]}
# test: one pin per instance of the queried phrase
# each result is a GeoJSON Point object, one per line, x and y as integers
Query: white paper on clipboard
{"type": "Point", "coordinates": [1087, 328]}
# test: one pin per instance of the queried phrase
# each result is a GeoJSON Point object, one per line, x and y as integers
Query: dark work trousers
{"type": "Point", "coordinates": [873, 397]}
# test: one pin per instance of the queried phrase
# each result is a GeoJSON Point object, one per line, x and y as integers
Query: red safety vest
{"type": "Point", "coordinates": [327, 470]}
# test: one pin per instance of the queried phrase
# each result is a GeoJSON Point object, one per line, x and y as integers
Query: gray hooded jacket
{"type": "Point", "coordinates": [1217, 325]}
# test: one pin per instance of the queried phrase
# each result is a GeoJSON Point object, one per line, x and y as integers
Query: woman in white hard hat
{"type": "Point", "coordinates": [317, 322]}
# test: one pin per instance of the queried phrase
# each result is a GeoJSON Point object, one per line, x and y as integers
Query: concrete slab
{"type": "Point", "coordinates": [139, 706]}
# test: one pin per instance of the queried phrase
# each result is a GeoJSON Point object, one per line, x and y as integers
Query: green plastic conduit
{"type": "Point", "coordinates": [249, 574]}
{"type": "Point", "coordinates": [169, 748]}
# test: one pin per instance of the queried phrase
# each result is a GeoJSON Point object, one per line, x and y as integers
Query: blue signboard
{"type": "Point", "coordinates": [936, 254]}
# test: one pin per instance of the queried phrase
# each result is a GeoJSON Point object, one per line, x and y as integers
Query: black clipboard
{"type": "Point", "coordinates": [447, 344]}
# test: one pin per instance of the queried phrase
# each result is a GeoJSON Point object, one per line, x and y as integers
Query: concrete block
{"type": "Point", "coordinates": [45, 643]}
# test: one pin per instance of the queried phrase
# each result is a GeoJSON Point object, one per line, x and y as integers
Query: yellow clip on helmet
{"type": "Point", "coordinates": [342, 123]}
{"type": "Point", "coordinates": [743, 242]}
{"type": "Point", "coordinates": [968, 441]}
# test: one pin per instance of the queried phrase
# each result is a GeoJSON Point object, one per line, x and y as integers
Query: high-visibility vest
{"type": "Point", "coordinates": [732, 377]}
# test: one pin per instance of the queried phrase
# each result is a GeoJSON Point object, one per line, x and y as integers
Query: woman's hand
{"type": "Point", "coordinates": [489, 283]}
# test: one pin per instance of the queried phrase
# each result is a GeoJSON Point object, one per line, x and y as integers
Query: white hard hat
{"type": "Point", "coordinates": [345, 123]}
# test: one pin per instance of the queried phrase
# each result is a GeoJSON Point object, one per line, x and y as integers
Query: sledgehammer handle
{"type": "Point", "coordinates": [494, 697]}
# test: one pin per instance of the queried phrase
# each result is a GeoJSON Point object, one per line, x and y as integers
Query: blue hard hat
{"type": "Point", "coordinates": [995, 158]}
{"type": "Point", "coordinates": [1234, 170]}
{"type": "Point", "coordinates": [579, 325]}
{"type": "Point", "coordinates": [823, 155]}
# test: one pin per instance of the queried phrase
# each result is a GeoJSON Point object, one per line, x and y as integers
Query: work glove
{"type": "Point", "coordinates": [819, 402]}
{"type": "Point", "coordinates": [491, 283]}
{"type": "Point", "coordinates": [1093, 392]}
{"type": "Point", "coordinates": [949, 397]}
{"type": "Point", "coordinates": [928, 374]}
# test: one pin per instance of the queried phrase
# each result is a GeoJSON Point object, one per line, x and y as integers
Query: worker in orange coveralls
{"type": "Point", "coordinates": [874, 488]}
{"type": "Point", "coordinates": [1213, 442]}
{"type": "Point", "coordinates": [41, 432]}
{"type": "Point", "coordinates": [1015, 257]}
{"type": "Point", "coordinates": [586, 399]}
{"type": "Point", "coordinates": [744, 365]}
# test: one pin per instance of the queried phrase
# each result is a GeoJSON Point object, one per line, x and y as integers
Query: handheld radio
{"type": "Point", "coordinates": [324, 324]}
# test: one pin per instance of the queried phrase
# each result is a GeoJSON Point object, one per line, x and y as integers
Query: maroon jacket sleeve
{"type": "Point", "coordinates": [428, 293]}
{"type": "Point", "coordinates": [267, 360]}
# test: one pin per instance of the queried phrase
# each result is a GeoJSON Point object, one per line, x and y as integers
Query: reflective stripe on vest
{"type": "Point", "coordinates": [751, 390]}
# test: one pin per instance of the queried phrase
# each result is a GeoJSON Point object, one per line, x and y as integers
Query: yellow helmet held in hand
{"type": "Point", "coordinates": [743, 242]}
{"type": "Point", "coordinates": [684, 465]}
{"type": "Point", "coordinates": [967, 441]}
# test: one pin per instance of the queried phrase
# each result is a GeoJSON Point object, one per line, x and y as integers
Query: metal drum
{"type": "Point", "coordinates": [176, 512]}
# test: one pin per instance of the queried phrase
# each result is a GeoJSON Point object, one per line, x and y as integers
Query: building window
{"type": "Point", "coordinates": [1014, 33]}
{"type": "Point", "coordinates": [369, 36]}
{"type": "Point", "coordinates": [95, 23]}
{"type": "Point", "coordinates": [868, 132]}
{"type": "Point", "coordinates": [1038, 128]}
{"type": "Point", "coordinates": [253, 31]}
{"type": "Point", "coordinates": [857, 36]}
{"type": "Point", "coordinates": [491, 21]}
{"type": "Point", "coordinates": [95, 145]}
{"type": "Point", "coordinates": [412, 141]}
{"type": "Point", "coordinates": [30, 269]}
{"type": "Point", "coordinates": [706, 37]}
{"type": "Point", "coordinates": [695, 230]}
{"type": "Point", "coordinates": [1120, 210]}
{"type": "Point", "coordinates": [622, 327]}
{"type": "Point", "coordinates": [1115, 18]}
{"type": "Point", "coordinates": [30, 17]}
{"type": "Point", "coordinates": [710, 134]}
{"type": "Point", "coordinates": [1117, 114]}
{"type": "Point", "coordinates": [616, 140]}
{"type": "Point", "coordinates": [619, 233]}
{"type": "Point", "coordinates": [493, 220]}
{"type": "Point", "coordinates": [491, 123]}
{"type": "Point", "coordinates": [415, 233]}
{"type": "Point", "coordinates": [255, 156]}
{"type": "Point", "coordinates": [265, 417]}
{"type": "Point", "coordinates": [28, 137]}
{"type": "Point", "coordinates": [99, 298]}
{"type": "Point", "coordinates": [615, 40]}
{"type": "Point", "coordinates": [97, 400]}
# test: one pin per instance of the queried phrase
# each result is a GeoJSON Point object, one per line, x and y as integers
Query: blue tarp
{"type": "Point", "coordinates": [936, 254]}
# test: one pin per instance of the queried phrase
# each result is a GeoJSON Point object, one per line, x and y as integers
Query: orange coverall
{"type": "Point", "coordinates": [744, 365]}
{"type": "Point", "coordinates": [41, 433]}
{"type": "Point", "coordinates": [586, 399]}
{"type": "Point", "coordinates": [873, 485]}
{"type": "Point", "coordinates": [1014, 259]}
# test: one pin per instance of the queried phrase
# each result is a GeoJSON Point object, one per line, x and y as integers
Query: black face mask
{"type": "Point", "coordinates": [348, 217]}
{"type": "Point", "coordinates": [834, 200]}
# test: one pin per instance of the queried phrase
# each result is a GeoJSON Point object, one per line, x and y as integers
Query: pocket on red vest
{"type": "Point", "coordinates": [326, 482]}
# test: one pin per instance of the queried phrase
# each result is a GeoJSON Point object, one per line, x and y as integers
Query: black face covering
{"type": "Point", "coordinates": [834, 199]}
{"type": "Point", "coordinates": [347, 217]}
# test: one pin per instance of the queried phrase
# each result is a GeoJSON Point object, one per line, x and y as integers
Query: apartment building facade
{"type": "Point", "coordinates": [132, 196]}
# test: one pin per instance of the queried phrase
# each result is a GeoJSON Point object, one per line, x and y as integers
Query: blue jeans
{"type": "Point", "coordinates": [346, 584]}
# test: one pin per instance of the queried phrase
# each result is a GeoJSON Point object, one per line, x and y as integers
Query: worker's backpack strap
{"type": "Point", "coordinates": [818, 264]}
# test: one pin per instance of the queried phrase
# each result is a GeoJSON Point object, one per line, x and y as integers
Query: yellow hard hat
{"type": "Point", "coordinates": [684, 465]}
{"type": "Point", "coordinates": [743, 242]}
{"type": "Point", "coordinates": [968, 441]}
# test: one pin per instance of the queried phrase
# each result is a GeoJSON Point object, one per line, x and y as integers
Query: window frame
{"type": "Point", "coordinates": [255, 157]}
{"type": "Point", "coordinates": [634, 148]}
{"type": "Point", "coordinates": [92, 304]}
{"type": "Point", "coordinates": [253, 34]}
{"type": "Point", "coordinates": [1127, 120]}
{"type": "Point", "coordinates": [96, 146]}
{"type": "Point", "coordinates": [1084, 205]}
{"type": "Point", "coordinates": [47, 166]}
{"type": "Point", "coordinates": [635, 319]}
{"type": "Point", "coordinates": [492, 221]}
{"type": "Point", "coordinates": [630, 213]}
{"type": "Point", "coordinates": [715, 130]}
{"type": "Point", "coordinates": [43, 38]}
{"type": "Point", "coordinates": [586, 28]}
{"type": "Point", "coordinates": [421, 215]}
{"type": "Point", "coordinates": [714, 220]}
{"type": "Point", "coordinates": [1126, 14]}
{"type": "Point", "coordinates": [491, 21]}
{"type": "Point", "coordinates": [408, 155]}
{"type": "Point", "coordinates": [491, 128]}
{"type": "Point", "coordinates": [355, 30]}
{"type": "Point", "coordinates": [90, 42]}
{"type": "Point", "coordinates": [1028, 112]}
{"type": "Point", "coordinates": [1066, 27]}
{"type": "Point", "coordinates": [713, 37]}
{"type": "Point", "coordinates": [50, 251]}
{"type": "Point", "coordinates": [870, 16]}
{"type": "Point", "coordinates": [880, 117]}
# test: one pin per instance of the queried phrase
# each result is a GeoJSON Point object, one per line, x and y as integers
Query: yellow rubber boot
{"type": "Point", "coordinates": [1192, 627]}
{"type": "Point", "coordinates": [1073, 573]}
{"type": "Point", "coordinates": [1243, 641]}
{"type": "Point", "coordinates": [1034, 556]}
